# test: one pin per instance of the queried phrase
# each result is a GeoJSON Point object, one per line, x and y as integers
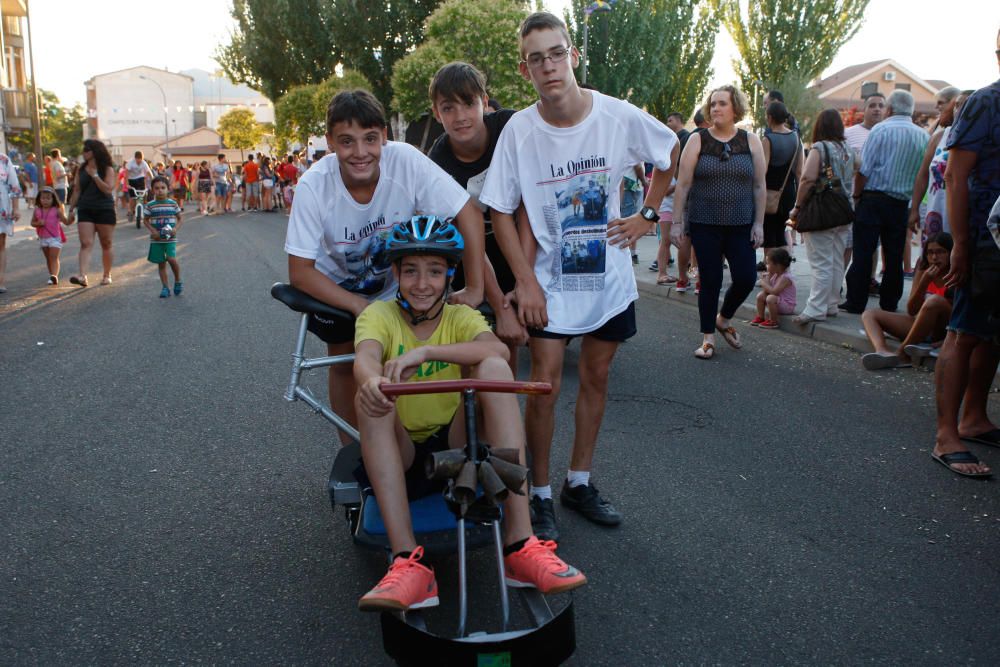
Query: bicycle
{"type": "Point", "coordinates": [140, 205]}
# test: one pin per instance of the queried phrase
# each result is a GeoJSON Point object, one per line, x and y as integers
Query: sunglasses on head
{"type": "Point", "coordinates": [727, 152]}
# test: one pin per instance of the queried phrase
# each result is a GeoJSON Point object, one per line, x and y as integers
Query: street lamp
{"type": "Point", "coordinates": [166, 137]}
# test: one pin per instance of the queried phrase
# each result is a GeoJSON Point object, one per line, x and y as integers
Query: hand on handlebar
{"type": "Point", "coordinates": [404, 366]}
{"type": "Point", "coordinates": [373, 402]}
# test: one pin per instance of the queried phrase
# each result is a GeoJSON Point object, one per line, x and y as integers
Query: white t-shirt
{"type": "Point", "coordinates": [569, 179]}
{"type": "Point", "coordinates": [220, 172]}
{"type": "Point", "coordinates": [856, 136]}
{"type": "Point", "coordinates": [59, 180]}
{"type": "Point", "coordinates": [347, 239]}
{"type": "Point", "coordinates": [138, 169]}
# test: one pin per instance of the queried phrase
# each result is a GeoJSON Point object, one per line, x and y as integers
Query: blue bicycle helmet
{"type": "Point", "coordinates": [425, 235]}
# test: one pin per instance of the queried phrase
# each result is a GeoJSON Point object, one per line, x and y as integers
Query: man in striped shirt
{"type": "Point", "coordinates": [882, 189]}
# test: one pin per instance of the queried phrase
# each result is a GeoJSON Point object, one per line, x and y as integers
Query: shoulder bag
{"type": "Point", "coordinates": [827, 206]}
{"type": "Point", "coordinates": [774, 196]}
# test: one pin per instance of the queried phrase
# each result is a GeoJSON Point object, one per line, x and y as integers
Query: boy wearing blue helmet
{"type": "Point", "coordinates": [420, 337]}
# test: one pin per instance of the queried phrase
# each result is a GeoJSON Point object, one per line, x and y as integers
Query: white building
{"type": "Point", "coordinates": [215, 94]}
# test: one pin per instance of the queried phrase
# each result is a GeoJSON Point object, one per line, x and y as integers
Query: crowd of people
{"type": "Point", "coordinates": [67, 191]}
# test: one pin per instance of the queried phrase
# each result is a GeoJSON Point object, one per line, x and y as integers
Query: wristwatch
{"type": "Point", "coordinates": [649, 214]}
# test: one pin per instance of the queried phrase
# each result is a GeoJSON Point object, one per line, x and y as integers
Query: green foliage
{"type": "Point", "coordinates": [239, 129]}
{"type": "Point", "coordinates": [62, 127]}
{"type": "Point", "coordinates": [657, 54]}
{"type": "Point", "coordinates": [480, 32]}
{"type": "Point", "coordinates": [372, 35]}
{"type": "Point", "coordinates": [801, 101]}
{"type": "Point", "coordinates": [301, 112]}
{"type": "Point", "coordinates": [778, 39]}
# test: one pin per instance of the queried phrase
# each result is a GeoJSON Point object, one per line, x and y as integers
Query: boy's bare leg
{"type": "Point", "coordinates": [504, 429]}
{"type": "Point", "coordinates": [342, 387]}
{"type": "Point", "coordinates": [595, 362]}
{"type": "Point", "coordinates": [162, 269]}
{"type": "Point", "coordinates": [387, 452]}
{"type": "Point", "coordinates": [175, 266]}
{"type": "Point", "coordinates": [539, 414]}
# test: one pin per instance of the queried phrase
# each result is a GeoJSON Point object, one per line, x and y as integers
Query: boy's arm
{"type": "Point", "coordinates": [509, 329]}
{"type": "Point", "coordinates": [483, 346]}
{"type": "Point", "coordinates": [528, 294]}
{"type": "Point", "coordinates": [303, 275]}
{"type": "Point", "coordinates": [369, 375]}
{"type": "Point", "coordinates": [470, 223]}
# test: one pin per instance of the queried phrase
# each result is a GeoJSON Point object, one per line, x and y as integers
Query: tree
{"type": "Point", "coordinates": [480, 32]}
{"type": "Point", "coordinates": [301, 112]}
{"type": "Point", "coordinates": [777, 39]}
{"type": "Point", "coordinates": [239, 129]}
{"type": "Point", "coordinates": [277, 44]}
{"type": "Point", "coordinates": [62, 127]}
{"type": "Point", "coordinates": [657, 54]}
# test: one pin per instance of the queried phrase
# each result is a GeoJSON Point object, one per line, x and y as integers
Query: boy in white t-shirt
{"type": "Point", "coordinates": [565, 157]}
{"type": "Point", "coordinates": [345, 206]}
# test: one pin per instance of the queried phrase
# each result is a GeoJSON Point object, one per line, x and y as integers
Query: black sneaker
{"type": "Point", "coordinates": [586, 501]}
{"type": "Point", "coordinates": [543, 518]}
{"type": "Point", "coordinates": [848, 308]}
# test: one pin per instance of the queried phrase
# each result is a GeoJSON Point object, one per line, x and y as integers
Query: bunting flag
{"type": "Point", "coordinates": [599, 6]}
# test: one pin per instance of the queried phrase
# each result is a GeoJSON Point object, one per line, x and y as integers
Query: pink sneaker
{"type": "Point", "coordinates": [407, 585]}
{"type": "Point", "coordinates": [536, 565]}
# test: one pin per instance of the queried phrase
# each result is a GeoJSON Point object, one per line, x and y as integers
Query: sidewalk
{"type": "Point", "coordinates": [844, 330]}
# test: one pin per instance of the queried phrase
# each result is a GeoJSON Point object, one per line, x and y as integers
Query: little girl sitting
{"type": "Point", "coordinates": [777, 290]}
{"type": "Point", "coordinates": [49, 212]}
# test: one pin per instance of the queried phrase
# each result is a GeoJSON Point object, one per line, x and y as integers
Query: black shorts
{"type": "Point", "coordinates": [98, 216]}
{"type": "Point", "coordinates": [417, 483]}
{"type": "Point", "coordinates": [505, 277]}
{"type": "Point", "coordinates": [334, 331]}
{"type": "Point", "coordinates": [618, 329]}
{"type": "Point", "coordinates": [135, 184]}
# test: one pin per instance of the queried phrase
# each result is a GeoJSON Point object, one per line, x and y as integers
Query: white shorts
{"type": "Point", "coordinates": [49, 242]}
{"type": "Point", "coordinates": [30, 193]}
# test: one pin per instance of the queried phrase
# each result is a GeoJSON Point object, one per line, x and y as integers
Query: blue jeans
{"type": "Point", "coordinates": [630, 202]}
{"type": "Point", "coordinates": [878, 216]}
{"type": "Point", "coordinates": [711, 244]}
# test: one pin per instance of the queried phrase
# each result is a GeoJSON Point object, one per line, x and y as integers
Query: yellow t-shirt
{"type": "Point", "coordinates": [383, 321]}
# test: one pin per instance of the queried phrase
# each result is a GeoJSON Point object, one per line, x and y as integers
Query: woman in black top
{"type": "Point", "coordinates": [784, 157]}
{"type": "Point", "coordinates": [94, 204]}
{"type": "Point", "coordinates": [719, 202]}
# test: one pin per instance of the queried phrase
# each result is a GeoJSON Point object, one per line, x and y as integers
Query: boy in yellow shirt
{"type": "Point", "coordinates": [421, 337]}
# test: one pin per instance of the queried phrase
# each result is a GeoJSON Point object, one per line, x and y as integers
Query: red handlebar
{"type": "Point", "coordinates": [448, 386]}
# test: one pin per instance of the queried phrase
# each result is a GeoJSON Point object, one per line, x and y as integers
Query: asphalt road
{"type": "Point", "coordinates": [162, 504]}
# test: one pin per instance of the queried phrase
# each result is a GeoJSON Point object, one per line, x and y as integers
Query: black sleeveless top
{"type": "Point", "coordinates": [91, 196]}
{"type": "Point", "coordinates": [722, 189]}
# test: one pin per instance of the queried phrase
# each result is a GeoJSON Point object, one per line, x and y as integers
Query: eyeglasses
{"type": "Point", "coordinates": [536, 60]}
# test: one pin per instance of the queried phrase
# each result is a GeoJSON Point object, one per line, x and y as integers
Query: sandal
{"type": "Point", "coordinates": [730, 335]}
{"type": "Point", "coordinates": [706, 351]}
{"type": "Point", "coordinates": [666, 280]}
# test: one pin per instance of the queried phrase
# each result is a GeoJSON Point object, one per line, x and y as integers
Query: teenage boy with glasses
{"type": "Point", "coordinates": [565, 156]}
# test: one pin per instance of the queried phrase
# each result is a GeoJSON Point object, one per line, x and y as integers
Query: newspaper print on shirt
{"type": "Point", "coordinates": [366, 259]}
{"type": "Point", "coordinates": [577, 219]}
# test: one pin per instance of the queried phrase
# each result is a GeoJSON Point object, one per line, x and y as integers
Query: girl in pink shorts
{"type": "Point", "coordinates": [46, 219]}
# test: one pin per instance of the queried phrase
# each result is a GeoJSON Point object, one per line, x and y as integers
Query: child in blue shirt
{"type": "Point", "coordinates": [163, 220]}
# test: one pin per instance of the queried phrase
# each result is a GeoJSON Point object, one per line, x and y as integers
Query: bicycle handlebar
{"type": "Point", "coordinates": [448, 386]}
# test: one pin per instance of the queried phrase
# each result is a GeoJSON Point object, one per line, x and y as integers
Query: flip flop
{"type": "Point", "coordinates": [873, 361]}
{"type": "Point", "coordinates": [960, 457]}
{"type": "Point", "coordinates": [666, 280]}
{"type": "Point", "coordinates": [730, 335]}
{"type": "Point", "coordinates": [991, 438]}
{"type": "Point", "coordinates": [706, 351]}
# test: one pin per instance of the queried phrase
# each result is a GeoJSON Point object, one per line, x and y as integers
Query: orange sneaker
{"type": "Point", "coordinates": [536, 565]}
{"type": "Point", "coordinates": [407, 585]}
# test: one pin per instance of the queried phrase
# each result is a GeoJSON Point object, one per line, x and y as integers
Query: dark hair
{"type": "Point", "coordinates": [159, 179]}
{"type": "Point", "coordinates": [137, 154]}
{"type": "Point", "coordinates": [541, 21]}
{"type": "Point", "coordinates": [778, 112]}
{"type": "Point", "coordinates": [780, 256]}
{"type": "Point", "coordinates": [203, 163]}
{"type": "Point", "coordinates": [221, 156]}
{"type": "Point", "coordinates": [829, 126]}
{"type": "Point", "coordinates": [678, 115]}
{"type": "Point", "coordinates": [51, 191]}
{"type": "Point", "coordinates": [102, 159]}
{"type": "Point", "coordinates": [943, 239]}
{"type": "Point", "coordinates": [457, 82]}
{"type": "Point", "coordinates": [699, 117]}
{"type": "Point", "coordinates": [357, 106]}
{"type": "Point", "coordinates": [875, 94]}
{"type": "Point", "coordinates": [776, 95]}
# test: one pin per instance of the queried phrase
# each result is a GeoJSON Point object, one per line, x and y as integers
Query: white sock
{"type": "Point", "coordinates": [543, 492]}
{"type": "Point", "coordinates": [578, 477]}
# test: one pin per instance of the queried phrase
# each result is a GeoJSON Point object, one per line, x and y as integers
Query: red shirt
{"type": "Point", "coordinates": [288, 172]}
{"type": "Point", "coordinates": [250, 170]}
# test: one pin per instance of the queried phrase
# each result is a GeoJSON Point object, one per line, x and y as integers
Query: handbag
{"type": "Point", "coordinates": [774, 196]}
{"type": "Point", "coordinates": [827, 206]}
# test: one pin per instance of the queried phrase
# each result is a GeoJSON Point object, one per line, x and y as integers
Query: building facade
{"type": "Point", "coordinates": [15, 86]}
{"type": "Point", "coordinates": [847, 89]}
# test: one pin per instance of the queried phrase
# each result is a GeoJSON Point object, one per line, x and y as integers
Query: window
{"type": "Point", "coordinates": [15, 67]}
{"type": "Point", "coordinates": [12, 25]}
{"type": "Point", "coordinates": [902, 86]}
{"type": "Point", "coordinates": [868, 88]}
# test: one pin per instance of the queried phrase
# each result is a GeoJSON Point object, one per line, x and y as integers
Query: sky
{"type": "Point", "coordinates": [951, 40]}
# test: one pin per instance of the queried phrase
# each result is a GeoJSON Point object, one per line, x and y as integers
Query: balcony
{"type": "Point", "coordinates": [17, 108]}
